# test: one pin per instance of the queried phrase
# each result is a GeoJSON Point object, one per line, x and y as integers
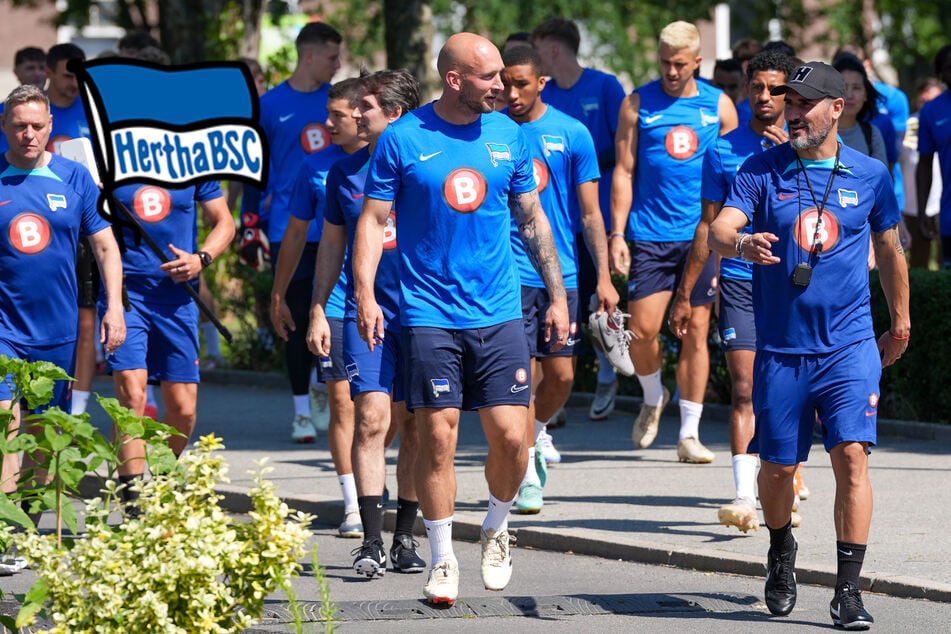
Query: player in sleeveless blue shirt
{"type": "Point", "coordinates": [934, 139]}
{"type": "Point", "coordinates": [308, 202]}
{"type": "Point", "coordinates": [566, 174]}
{"type": "Point", "coordinates": [46, 202]}
{"type": "Point", "coordinates": [454, 170]}
{"type": "Point", "coordinates": [762, 131]}
{"type": "Point", "coordinates": [376, 376]}
{"type": "Point", "coordinates": [813, 203]}
{"type": "Point", "coordinates": [664, 129]}
{"type": "Point", "coordinates": [594, 98]}
{"type": "Point", "coordinates": [162, 341]}
{"type": "Point", "coordinates": [292, 117]}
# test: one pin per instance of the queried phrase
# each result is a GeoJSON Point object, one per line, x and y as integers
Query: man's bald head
{"type": "Point", "coordinates": [462, 51]}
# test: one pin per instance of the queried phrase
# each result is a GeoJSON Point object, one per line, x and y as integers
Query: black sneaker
{"type": "Point", "coordinates": [847, 610]}
{"type": "Point", "coordinates": [781, 580]}
{"type": "Point", "coordinates": [403, 555]}
{"type": "Point", "coordinates": [371, 558]}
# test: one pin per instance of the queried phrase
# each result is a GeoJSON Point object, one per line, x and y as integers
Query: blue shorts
{"type": "Point", "coordinates": [790, 389]}
{"type": "Point", "coordinates": [535, 304]}
{"type": "Point", "coordinates": [736, 323]}
{"type": "Point", "coordinates": [467, 369]}
{"type": "Point", "coordinates": [60, 354]}
{"type": "Point", "coordinates": [377, 371]}
{"type": "Point", "coordinates": [333, 368]}
{"type": "Point", "coordinates": [160, 338]}
{"type": "Point", "coordinates": [658, 266]}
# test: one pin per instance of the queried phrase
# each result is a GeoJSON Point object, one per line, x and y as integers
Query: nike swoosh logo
{"type": "Point", "coordinates": [518, 388]}
{"type": "Point", "coordinates": [868, 413]}
{"type": "Point", "coordinates": [5, 202]}
{"type": "Point", "coordinates": [847, 553]}
{"type": "Point", "coordinates": [653, 118]}
{"type": "Point", "coordinates": [941, 121]}
{"type": "Point", "coordinates": [286, 117]}
{"type": "Point", "coordinates": [357, 196]}
{"type": "Point", "coordinates": [787, 196]}
{"type": "Point", "coordinates": [426, 157]}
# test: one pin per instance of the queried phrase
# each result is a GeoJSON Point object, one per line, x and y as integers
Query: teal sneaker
{"type": "Point", "coordinates": [541, 465]}
{"type": "Point", "coordinates": [529, 499]}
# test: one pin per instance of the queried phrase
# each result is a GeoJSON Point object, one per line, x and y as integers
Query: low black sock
{"type": "Point", "coordinates": [781, 539]}
{"type": "Point", "coordinates": [371, 515]}
{"type": "Point", "coordinates": [128, 495]}
{"type": "Point", "coordinates": [850, 559]}
{"type": "Point", "coordinates": [405, 516]}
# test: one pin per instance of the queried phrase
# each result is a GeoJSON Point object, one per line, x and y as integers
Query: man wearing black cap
{"type": "Point", "coordinates": [813, 203]}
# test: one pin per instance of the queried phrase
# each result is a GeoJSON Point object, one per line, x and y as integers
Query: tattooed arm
{"type": "Point", "coordinates": [893, 274]}
{"type": "Point", "coordinates": [535, 232]}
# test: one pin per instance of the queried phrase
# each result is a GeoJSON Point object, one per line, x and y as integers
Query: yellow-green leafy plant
{"type": "Point", "coordinates": [181, 564]}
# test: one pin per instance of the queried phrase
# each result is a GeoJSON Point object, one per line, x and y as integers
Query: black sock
{"type": "Point", "coordinates": [850, 558]}
{"type": "Point", "coordinates": [371, 514]}
{"type": "Point", "coordinates": [405, 516]}
{"type": "Point", "coordinates": [128, 495]}
{"type": "Point", "coordinates": [781, 539]}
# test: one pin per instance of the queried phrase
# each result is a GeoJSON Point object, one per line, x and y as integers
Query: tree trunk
{"type": "Point", "coordinates": [409, 39]}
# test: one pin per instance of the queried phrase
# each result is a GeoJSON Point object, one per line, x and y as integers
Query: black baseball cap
{"type": "Point", "coordinates": [814, 80]}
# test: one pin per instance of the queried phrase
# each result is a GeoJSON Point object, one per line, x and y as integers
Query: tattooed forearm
{"type": "Point", "coordinates": [596, 240]}
{"type": "Point", "coordinates": [888, 238]}
{"type": "Point", "coordinates": [536, 235]}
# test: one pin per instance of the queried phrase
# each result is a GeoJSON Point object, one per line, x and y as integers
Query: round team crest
{"type": "Point", "coordinates": [29, 233]}
{"type": "Point", "coordinates": [464, 190]}
{"type": "Point", "coordinates": [151, 203]}
{"type": "Point", "coordinates": [314, 138]}
{"type": "Point", "coordinates": [681, 142]}
{"type": "Point", "coordinates": [827, 232]}
{"type": "Point", "coordinates": [389, 232]}
{"type": "Point", "coordinates": [541, 174]}
{"type": "Point", "coordinates": [521, 375]}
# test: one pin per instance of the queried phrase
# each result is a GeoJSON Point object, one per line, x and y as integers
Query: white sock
{"type": "Point", "coordinates": [212, 342]}
{"type": "Point", "coordinates": [531, 476]}
{"type": "Point", "coordinates": [606, 371]}
{"type": "Point", "coordinates": [540, 428]}
{"type": "Point", "coordinates": [439, 533]}
{"type": "Point", "coordinates": [497, 517]}
{"type": "Point", "coordinates": [652, 387]}
{"type": "Point", "coordinates": [690, 413]}
{"type": "Point", "coordinates": [744, 475]}
{"type": "Point", "coordinates": [301, 405]}
{"type": "Point", "coordinates": [348, 486]}
{"type": "Point", "coordinates": [80, 401]}
{"type": "Point", "coordinates": [150, 395]}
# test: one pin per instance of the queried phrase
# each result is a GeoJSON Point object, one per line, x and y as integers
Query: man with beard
{"type": "Point", "coordinates": [737, 330]}
{"type": "Point", "coordinates": [815, 348]}
{"type": "Point", "coordinates": [454, 170]}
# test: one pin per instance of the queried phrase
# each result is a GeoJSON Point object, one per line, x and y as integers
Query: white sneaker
{"type": "Point", "coordinates": [10, 564]}
{"type": "Point", "coordinates": [443, 583]}
{"type": "Point", "coordinates": [608, 334]}
{"type": "Point", "coordinates": [302, 429]}
{"type": "Point", "coordinates": [647, 421]}
{"type": "Point", "coordinates": [319, 407]}
{"type": "Point", "coordinates": [741, 513]}
{"type": "Point", "coordinates": [544, 443]}
{"type": "Point", "coordinates": [351, 527]}
{"type": "Point", "coordinates": [603, 404]}
{"type": "Point", "coordinates": [692, 450]}
{"type": "Point", "coordinates": [496, 559]}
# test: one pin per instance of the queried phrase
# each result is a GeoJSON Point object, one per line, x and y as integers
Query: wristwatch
{"type": "Point", "coordinates": [205, 258]}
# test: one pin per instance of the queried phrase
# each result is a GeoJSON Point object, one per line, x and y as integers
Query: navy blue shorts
{"type": "Point", "coordinates": [333, 368]}
{"type": "Point", "coordinates": [535, 304]}
{"type": "Point", "coordinates": [160, 338]}
{"type": "Point", "coordinates": [736, 323]}
{"type": "Point", "coordinates": [467, 369]}
{"type": "Point", "coordinates": [60, 354]}
{"type": "Point", "coordinates": [789, 390]}
{"type": "Point", "coordinates": [658, 266]}
{"type": "Point", "coordinates": [377, 371]}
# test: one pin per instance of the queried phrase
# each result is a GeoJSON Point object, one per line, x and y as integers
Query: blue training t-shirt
{"type": "Point", "coordinates": [673, 134]}
{"type": "Point", "coordinates": [293, 123]}
{"type": "Point", "coordinates": [451, 184]}
{"type": "Point", "coordinates": [934, 137]}
{"type": "Point", "coordinates": [563, 157]}
{"type": "Point", "coordinates": [833, 311]}
{"type": "Point", "coordinates": [308, 200]}
{"type": "Point", "coordinates": [42, 213]}
{"type": "Point", "coordinates": [345, 192]}
{"type": "Point", "coordinates": [170, 217]}
{"type": "Point", "coordinates": [721, 162]}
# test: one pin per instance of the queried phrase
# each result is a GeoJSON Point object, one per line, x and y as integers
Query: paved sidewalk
{"type": "Point", "coordinates": [609, 500]}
